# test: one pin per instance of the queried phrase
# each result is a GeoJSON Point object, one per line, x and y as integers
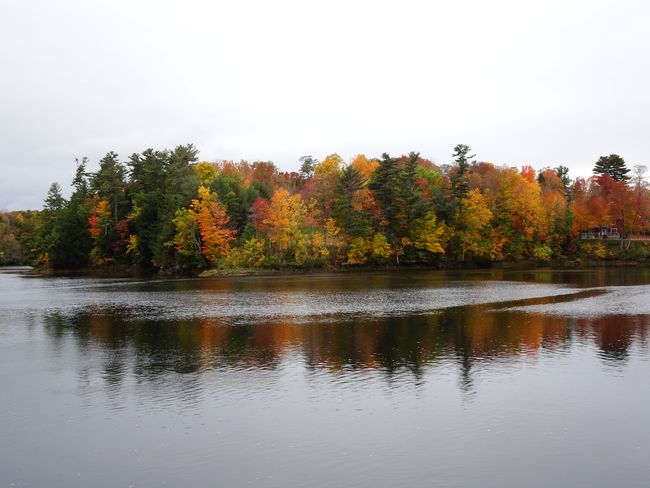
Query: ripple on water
{"type": "Point", "coordinates": [617, 300]}
{"type": "Point", "coordinates": [238, 307]}
{"type": "Point", "coordinates": [149, 300]}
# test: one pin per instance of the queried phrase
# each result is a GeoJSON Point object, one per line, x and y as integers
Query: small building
{"type": "Point", "coordinates": [602, 232]}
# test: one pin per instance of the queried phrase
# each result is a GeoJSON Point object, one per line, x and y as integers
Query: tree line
{"type": "Point", "coordinates": [163, 209]}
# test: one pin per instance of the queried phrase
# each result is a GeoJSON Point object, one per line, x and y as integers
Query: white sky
{"type": "Point", "coordinates": [543, 83]}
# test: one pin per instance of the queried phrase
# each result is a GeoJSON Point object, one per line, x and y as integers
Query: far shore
{"type": "Point", "coordinates": [131, 272]}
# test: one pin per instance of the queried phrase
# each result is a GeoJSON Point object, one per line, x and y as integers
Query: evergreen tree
{"type": "Point", "coordinates": [161, 182]}
{"type": "Point", "coordinates": [459, 192]}
{"type": "Point", "coordinates": [410, 197]}
{"type": "Point", "coordinates": [395, 187]}
{"type": "Point", "coordinates": [69, 241]}
{"type": "Point", "coordinates": [109, 183]}
{"type": "Point", "coordinates": [384, 185]}
{"type": "Point", "coordinates": [229, 188]}
{"type": "Point", "coordinates": [347, 217]}
{"type": "Point", "coordinates": [107, 222]}
{"type": "Point", "coordinates": [612, 165]}
{"type": "Point", "coordinates": [54, 200]}
{"type": "Point", "coordinates": [147, 188]}
{"type": "Point", "coordinates": [48, 232]}
{"type": "Point", "coordinates": [180, 186]}
{"type": "Point", "coordinates": [80, 181]}
{"type": "Point", "coordinates": [459, 180]}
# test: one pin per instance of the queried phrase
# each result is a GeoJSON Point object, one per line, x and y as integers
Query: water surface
{"type": "Point", "coordinates": [474, 379]}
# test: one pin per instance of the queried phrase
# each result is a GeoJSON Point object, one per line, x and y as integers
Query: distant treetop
{"type": "Point", "coordinates": [612, 165]}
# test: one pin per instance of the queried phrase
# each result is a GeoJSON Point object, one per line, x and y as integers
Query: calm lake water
{"type": "Point", "coordinates": [415, 379]}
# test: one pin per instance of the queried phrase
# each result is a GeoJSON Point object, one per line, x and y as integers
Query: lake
{"type": "Point", "coordinates": [495, 378]}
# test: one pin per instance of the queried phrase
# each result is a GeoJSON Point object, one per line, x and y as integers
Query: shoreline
{"type": "Point", "coordinates": [130, 272]}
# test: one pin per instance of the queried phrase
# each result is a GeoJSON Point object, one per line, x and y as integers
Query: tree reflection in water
{"type": "Point", "coordinates": [468, 337]}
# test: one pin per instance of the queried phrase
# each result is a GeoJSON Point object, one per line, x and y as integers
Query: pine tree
{"type": "Point", "coordinates": [612, 165]}
{"type": "Point", "coordinates": [384, 185]}
{"type": "Point", "coordinates": [109, 182]}
{"type": "Point", "coordinates": [69, 240]}
{"type": "Point", "coordinates": [349, 218]}
{"type": "Point", "coordinates": [459, 180]}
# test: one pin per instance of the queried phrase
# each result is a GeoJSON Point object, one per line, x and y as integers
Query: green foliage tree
{"type": "Point", "coordinates": [187, 240]}
{"type": "Point", "coordinates": [384, 185]}
{"type": "Point", "coordinates": [109, 187]}
{"type": "Point", "coordinates": [395, 187]}
{"type": "Point", "coordinates": [612, 165]}
{"type": "Point", "coordinates": [347, 215]}
{"type": "Point", "coordinates": [54, 200]}
{"type": "Point", "coordinates": [230, 188]}
{"type": "Point", "coordinates": [459, 190]}
{"type": "Point", "coordinates": [459, 179]}
{"type": "Point", "coordinates": [47, 229]}
{"type": "Point", "coordinates": [110, 184]}
{"type": "Point", "coordinates": [181, 184]}
{"type": "Point", "coordinates": [410, 196]}
{"type": "Point", "coordinates": [146, 187]}
{"type": "Point", "coordinates": [67, 240]}
{"type": "Point", "coordinates": [160, 183]}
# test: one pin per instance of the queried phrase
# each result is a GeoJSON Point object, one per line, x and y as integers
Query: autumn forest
{"type": "Point", "coordinates": [165, 210]}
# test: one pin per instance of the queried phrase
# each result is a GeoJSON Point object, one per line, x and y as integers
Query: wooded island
{"type": "Point", "coordinates": [165, 210]}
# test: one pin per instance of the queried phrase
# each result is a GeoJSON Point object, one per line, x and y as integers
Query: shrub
{"type": "Point", "coordinates": [542, 253]}
{"type": "Point", "coordinates": [358, 251]}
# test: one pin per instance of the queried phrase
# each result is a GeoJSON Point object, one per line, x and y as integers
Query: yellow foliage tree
{"type": "Point", "coordinates": [474, 232]}
{"type": "Point", "coordinates": [206, 172]}
{"type": "Point", "coordinates": [358, 251]}
{"type": "Point", "coordinates": [285, 219]}
{"type": "Point", "coordinates": [428, 235]}
{"type": "Point", "coordinates": [520, 213]}
{"type": "Point", "coordinates": [253, 252]}
{"type": "Point", "coordinates": [319, 249]}
{"type": "Point", "coordinates": [380, 250]}
{"type": "Point", "coordinates": [364, 166]}
{"type": "Point", "coordinates": [186, 240]}
{"type": "Point", "coordinates": [326, 177]}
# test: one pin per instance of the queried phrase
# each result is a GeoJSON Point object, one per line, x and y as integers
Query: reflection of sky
{"type": "Point", "coordinates": [619, 300]}
{"type": "Point", "coordinates": [304, 298]}
{"type": "Point", "coordinates": [244, 303]}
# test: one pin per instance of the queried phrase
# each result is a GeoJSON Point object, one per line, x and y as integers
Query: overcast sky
{"type": "Point", "coordinates": [541, 83]}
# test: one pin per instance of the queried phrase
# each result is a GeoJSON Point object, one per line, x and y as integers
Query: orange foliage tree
{"type": "Point", "coordinates": [212, 222]}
